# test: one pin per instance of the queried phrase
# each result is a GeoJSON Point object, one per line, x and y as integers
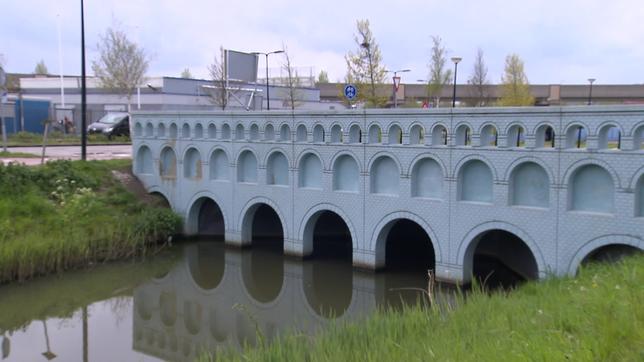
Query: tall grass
{"type": "Point", "coordinates": [70, 214]}
{"type": "Point", "coordinates": [597, 316]}
{"type": "Point", "coordinates": [59, 138]}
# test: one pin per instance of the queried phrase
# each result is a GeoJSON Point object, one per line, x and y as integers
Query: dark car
{"type": "Point", "coordinates": [111, 125]}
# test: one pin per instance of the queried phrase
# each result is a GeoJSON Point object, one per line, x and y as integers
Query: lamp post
{"type": "Point", "coordinates": [83, 90]}
{"type": "Point", "coordinates": [455, 60]}
{"type": "Point", "coordinates": [396, 85]}
{"type": "Point", "coordinates": [590, 91]}
{"type": "Point", "coordinates": [268, 98]}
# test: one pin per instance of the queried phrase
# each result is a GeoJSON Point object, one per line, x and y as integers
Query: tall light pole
{"type": "Point", "coordinates": [590, 91]}
{"type": "Point", "coordinates": [397, 82]}
{"type": "Point", "coordinates": [455, 60]}
{"type": "Point", "coordinates": [268, 98]}
{"type": "Point", "coordinates": [83, 89]}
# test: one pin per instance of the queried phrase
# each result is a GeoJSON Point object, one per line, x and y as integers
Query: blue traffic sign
{"type": "Point", "coordinates": [350, 91]}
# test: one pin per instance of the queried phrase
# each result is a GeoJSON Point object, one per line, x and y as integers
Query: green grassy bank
{"type": "Point", "coordinates": [598, 316]}
{"type": "Point", "coordinates": [66, 215]}
{"type": "Point", "coordinates": [60, 139]}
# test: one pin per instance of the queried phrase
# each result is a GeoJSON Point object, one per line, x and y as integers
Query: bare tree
{"type": "Point", "coordinates": [292, 80]}
{"type": "Point", "coordinates": [121, 65]}
{"type": "Point", "coordinates": [480, 93]}
{"type": "Point", "coordinates": [439, 76]}
{"type": "Point", "coordinates": [217, 70]}
{"type": "Point", "coordinates": [41, 68]}
{"type": "Point", "coordinates": [365, 65]}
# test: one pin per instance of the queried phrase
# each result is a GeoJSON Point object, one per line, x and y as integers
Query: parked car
{"type": "Point", "coordinates": [111, 125]}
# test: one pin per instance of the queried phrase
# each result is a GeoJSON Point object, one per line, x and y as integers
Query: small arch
{"type": "Point", "coordinates": [269, 132]}
{"type": "Point", "coordinates": [529, 185]}
{"type": "Point", "coordinates": [247, 167]}
{"type": "Point", "coordinates": [463, 135]}
{"type": "Point", "coordinates": [395, 135]}
{"type": "Point", "coordinates": [336, 134]}
{"type": "Point", "coordinates": [277, 169]}
{"type": "Point", "coordinates": [225, 132]}
{"type": "Point", "coordinates": [219, 165]}
{"type": "Point", "coordinates": [161, 130]}
{"type": "Point", "coordinates": [174, 130]}
{"type": "Point", "coordinates": [638, 138]}
{"type": "Point", "coordinates": [439, 135]}
{"type": "Point", "coordinates": [355, 134]}
{"type": "Point", "coordinates": [212, 131]}
{"type": "Point", "coordinates": [385, 176]}
{"type": "Point", "coordinates": [516, 136]}
{"type": "Point", "coordinates": [427, 179]}
{"type": "Point", "coordinates": [285, 133]}
{"type": "Point", "coordinates": [500, 258]}
{"type": "Point", "coordinates": [138, 129]}
{"type": "Point", "coordinates": [310, 171]}
{"type": "Point", "coordinates": [168, 163]}
{"type": "Point", "coordinates": [301, 133]}
{"type": "Point", "coordinates": [205, 217]}
{"type": "Point", "coordinates": [576, 137]}
{"type": "Point", "coordinates": [192, 164]}
{"type": "Point", "coordinates": [475, 182]}
{"type": "Point", "coordinates": [346, 174]}
{"type": "Point", "coordinates": [318, 134]}
{"type": "Point", "coordinates": [610, 137]}
{"type": "Point", "coordinates": [198, 130]}
{"type": "Point", "coordinates": [591, 189]}
{"type": "Point", "coordinates": [185, 131]}
{"type": "Point", "coordinates": [639, 197]}
{"type": "Point", "coordinates": [489, 136]}
{"type": "Point", "coordinates": [417, 135]}
{"type": "Point", "coordinates": [254, 132]}
{"type": "Point", "coordinates": [545, 137]}
{"type": "Point", "coordinates": [149, 130]}
{"type": "Point", "coordinates": [144, 161]}
{"type": "Point", "coordinates": [240, 132]}
{"type": "Point", "coordinates": [375, 134]}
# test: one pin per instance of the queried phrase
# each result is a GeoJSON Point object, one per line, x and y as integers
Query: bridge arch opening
{"type": "Point", "coordinates": [301, 133]}
{"type": "Point", "coordinates": [285, 133]}
{"type": "Point", "coordinates": [545, 137]}
{"type": "Point", "coordinates": [576, 137]}
{"type": "Point", "coordinates": [336, 134]}
{"type": "Point", "coordinates": [439, 136]}
{"type": "Point", "coordinates": [160, 200]}
{"type": "Point", "coordinates": [406, 246]}
{"type": "Point", "coordinates": [262, 226]}
{"type": "Point", "coordinates": [610, 253]}
{"type": "Point", "coordinates": [318, 134]}
{"type": "Point", "coordinates": [269, 132]}
{"type": "Point", "coordinates": [198, 131]}
{"type": "Point", "coordinates": [395, 135]}
{"type": "Point", "coordinates": [254, 132]}
{"type": "Point", "coordinates": [498, 258]}
{"type": "Point", "coordinates": [149, 129]}
{"type": "Point", "coordinates": [174, 130]}
{"type": "Point", "coordinates": [489, 136]}
{"type": "Point", "coordinates": [206, 218]}
{"type": "Point", "coordinates": [427, 179]}
{"type": "Point", "coordinates": [206, 264]}
{"type": "Point", "coordinates": [225, 131]}
{"type": "Point", "coordinates": [328, 236]}
{"type": "Point", "coordinates": [417, 135]}
{"type": "Point", "coordinates": [463, 135]}
{"type": "Point", "coordinates": [212, 131]}
{"type": "Point", "coordinates": [240, 132]}
{"type": "Point", "coordinates": [591, 189]}
{"type": "Point", "coordinates": [516, 136]}
{"type": "Point", "coordinates": [638, 138]}
{"type": "Point", "coordinates": [355, 134]}
{"type": "Point", "coordinates": [375, 134]}
{"type": "Point", "coordinates": [610, 138]}
{"type": "Point", "coordinates": [185, 131]}
{"type": "Point", "coordinates": [161, 130]}
{"type": "Point", "coordinates": [138, 129]}
{"type": "Point", "coordinates": [529, 186]}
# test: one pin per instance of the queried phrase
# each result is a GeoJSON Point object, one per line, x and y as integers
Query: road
{"type": "Point", "coordinates": [94, 152]}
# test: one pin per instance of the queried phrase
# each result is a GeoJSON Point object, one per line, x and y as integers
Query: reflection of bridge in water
{"type": "Point", "coordinates": [539, 189]}
{"type": "Point", "coordinates": [217, 297]}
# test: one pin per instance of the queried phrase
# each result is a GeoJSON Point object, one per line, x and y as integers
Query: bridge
{"type": "Point", "coordinates": [540, 189]}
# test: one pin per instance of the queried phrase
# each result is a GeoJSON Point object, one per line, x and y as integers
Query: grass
{"type": "Point", "coordinates": [58, 139]}
{"type": "Point", "coordinates": [8, 154]}
{"type": "Point", "coordinates": [597, 316]}
{"type": "Point", "coordinates": [70, 214]}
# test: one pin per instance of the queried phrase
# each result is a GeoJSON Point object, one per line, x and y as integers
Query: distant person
{"type": "Point", "coordinates": [68, 126]}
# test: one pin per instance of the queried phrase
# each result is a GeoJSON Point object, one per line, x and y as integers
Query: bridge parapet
{"type": "Point", "coordinates": [558, 178]}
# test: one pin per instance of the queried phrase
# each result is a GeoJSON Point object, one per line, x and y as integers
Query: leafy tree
{"type": "Point", "coordinates": [439, 74]}
{"type": "Point", "coordinates": [217, 70]}
{"type": "Point", "coordinates": [364, 67]}
{"type": "Point", "coordinates": [292, 80]}
{"type": "Point", "coordinates": [515, 89]}
{"type": "Point", "coordinates": [186, 74]}
{"type": "Point", "coordinates": [41, 68]}
{"type": "Point", "coordinates": [478, 80]}
{"type": "Point", "coordinates": [121, 65]}
{"type": "Point", "coordinates": [323, 77]}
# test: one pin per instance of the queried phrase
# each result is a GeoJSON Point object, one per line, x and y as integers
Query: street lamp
{"type": "Point", "coordinates": [268, 98]}
{"type": "Point", "coordinates": [455, 60]}
{"type": "Point", "coordinates": [590, 91]}
{"type": "Point", "coordinates": [83, 89]}
{"type": "Point", "coordinates": [397, 82]}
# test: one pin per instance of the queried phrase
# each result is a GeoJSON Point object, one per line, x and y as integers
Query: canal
{"type": "Point", "coordinates": [192, 297]}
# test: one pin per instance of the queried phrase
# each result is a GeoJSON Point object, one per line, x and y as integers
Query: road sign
{"type": "Point", "coordinates": [350, 91]}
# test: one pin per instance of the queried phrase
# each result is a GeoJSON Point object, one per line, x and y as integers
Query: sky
{"type": "Point", "coordinates": [561, 42]}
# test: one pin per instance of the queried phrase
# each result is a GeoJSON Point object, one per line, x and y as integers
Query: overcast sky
{"type": "Point", "coordinates": [564, 41]}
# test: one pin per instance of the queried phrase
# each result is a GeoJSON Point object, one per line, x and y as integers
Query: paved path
{"type": "Point", "coordinates": [96, 152]}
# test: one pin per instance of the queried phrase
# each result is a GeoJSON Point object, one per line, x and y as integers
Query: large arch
{"type": "Point", "coordinates": [427, 179]}
{"type": "Point", "coordinates": [381, 233]}
{"type": "Point", "coordinates": [310, 171]}
{"type": "Point", "coordinates": [475, 182]}
{"type": "Point", "coordinates": [384, 176]}
{"type": "Point", "coordinates": [205, 216]}
{"type": "Point", "coordinates": [529, 185]}
{"type": "Point", "coordinates": [467, 249]}
{"type": "Point", "coordinates": [596, 244]}
{"type": "Point", "coordinates": [277, 169]}
{"type": "Point", "coordinates": [591, 188]}
{"type": "Point", "coordinates": [265, 227]}
{"type": "Point", "coordinates": [346, 174]}
{"type": "Point", "coordinates": [307, 227]}
{"type": "Point", "coordinates": [247, 167]}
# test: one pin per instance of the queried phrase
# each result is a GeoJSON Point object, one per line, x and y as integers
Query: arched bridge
{"type": "Point", "coordinates": [540, 188]}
